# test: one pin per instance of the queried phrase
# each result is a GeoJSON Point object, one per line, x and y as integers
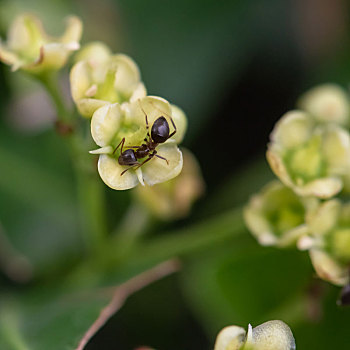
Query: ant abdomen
{"type": "Point", "coordinates": [160, 130]}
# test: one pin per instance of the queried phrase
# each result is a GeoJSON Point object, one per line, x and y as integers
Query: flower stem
{"type": "Point", "coordinates": [90, 190]}
{"type": "Point", "coordinates": [196, 237]}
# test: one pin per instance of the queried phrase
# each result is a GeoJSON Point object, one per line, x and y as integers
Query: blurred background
{"type": "Point", "coordinates": [234, 67]}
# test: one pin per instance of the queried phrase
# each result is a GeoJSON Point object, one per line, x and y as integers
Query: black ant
{"type": "Point", "coordinates": [160, 132]}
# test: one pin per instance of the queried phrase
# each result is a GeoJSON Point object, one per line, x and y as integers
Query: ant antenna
{"type": "Point", "coordinates": [139, 101]}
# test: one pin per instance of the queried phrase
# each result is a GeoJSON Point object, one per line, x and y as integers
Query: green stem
{"type": "Point", "coordinates": [191, 239]}
{"type": "Point", "coordinates": [90, 190]}
{"type": "Point", "coordinates": [220, 229]}
{"type": "Point", "coordinates": [180, 243]}
{"type": "Point", "coordinates": [51, 84]}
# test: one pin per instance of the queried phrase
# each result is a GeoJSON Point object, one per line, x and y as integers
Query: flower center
{"type": "Point", "coordinates": [306, 162]}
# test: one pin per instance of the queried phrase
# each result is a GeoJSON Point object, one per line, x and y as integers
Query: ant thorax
{"type": "Point", "coordinates": [144, 150]}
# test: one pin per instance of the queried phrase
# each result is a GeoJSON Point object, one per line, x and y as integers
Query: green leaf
{"type": "Point", "coordinates": [246, 283]}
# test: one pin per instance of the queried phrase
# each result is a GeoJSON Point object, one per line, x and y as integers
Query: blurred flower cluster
{"type": "Point", "coordinates": [309, 151]}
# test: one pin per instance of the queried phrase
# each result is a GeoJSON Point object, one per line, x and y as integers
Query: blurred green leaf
{"type": "Point", "coordinates": [246, 283]}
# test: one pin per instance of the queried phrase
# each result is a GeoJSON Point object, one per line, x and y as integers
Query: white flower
{"type": "Point", "coordinates": [112, 123]}
{"type": "Point", "coordinates": [102, 78]}
{"type": "Point", "coordinates": [28, 46]}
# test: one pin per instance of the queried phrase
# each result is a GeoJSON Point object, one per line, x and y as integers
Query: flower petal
{"type": "Point", "coordinates": [127, 76]}
{"type": "Point", "coordinates": [277, 166]}
{"type": "Point", "coordinates": [53, 56]}
{"type": "Point", "coordinates": [95, 53]}
{"type": "Point", "coordinates": [272, 335]}
{"type": "Point", "coordinates": [10, 58]}
{"type": "Point", "coordinates": [322, 188]}
{"type": "Point", "coordinates": [230, 338]}
{"type": "Point", "coordinates": [325, 217]}
{"type": "Point", "coordinates": [105, 123]}
{"type": "Point", "coordinates": [292, 130]}
{"type": "Point", "coordinates": [110, 170]}
{"type": "Point", "coordinates": [180, 121]}
{"type": "Point", "coordinates": [80, 80]}
{"type": "Point", "coordinates": [139, 92]}
{"type": "Point", "coordinates": [329, 269]}
{"type": "Point", "coordinates": [26, 35]}
{"type": "Point", "coordinates": [157, 170]}
{"type": "Point", "coordinates": [327, 103]}
{"type": "Point", "coordinates": [336, 149]}
{"type": "Point", "coordinates": [87, 106]}
{"type": "Point", "coordinates": [73, 32]}
{"type": "Point", "coordinates": [152, 106]}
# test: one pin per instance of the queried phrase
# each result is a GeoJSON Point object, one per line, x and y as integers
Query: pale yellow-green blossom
{"type": "Point", "coordinates": [310, 158]}
{"type": "Point", "coordinates": [328, 240]}
{"type": "Point", "coordinates": [173, 199]}
{"type": "Point", "coordinates": [28, 47]}
{"type": "Point", "coordinates": [276, 215]}
{"type": "Point", "coordinates": [271, 335]}
{"type": "Point", "coordinates": [327, 103]}
{"type": "Point", "coordinates": [112, 123]}
{"type": "Point", "coordinates": [101, 78]}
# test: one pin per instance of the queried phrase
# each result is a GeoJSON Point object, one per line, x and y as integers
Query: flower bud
{"type": "Point", "coordinates": [271, 335]}
{"type": "Point", "coordinates": [329, 240]}
{"type": "Point", "coordinates": [276, 215]}
{"type": "Point", "coordinates": [173, 199]}
{"type": "Point", "coordinates": [101, 78]}
{"type": "Point", "coordinates": [312, 159]}
{"type": "Point", "coordinates": [327, 103]}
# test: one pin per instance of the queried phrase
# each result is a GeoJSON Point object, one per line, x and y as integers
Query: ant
{"type": "Point", "coordinates": [160, 132]}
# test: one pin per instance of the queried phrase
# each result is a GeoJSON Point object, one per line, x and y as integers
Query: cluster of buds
{"type": "Point", "coordinates": [309, 151]}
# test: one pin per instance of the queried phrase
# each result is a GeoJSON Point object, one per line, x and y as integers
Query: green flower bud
{"type": "Point", "coordinates": [28, 47]}
{"type": "Point", "coordinates": [327, 103]}
{"type": "Point", "coordinates": [113, 123]}
{"type": "Point", "coordinates": [101, 78]}
{"type": "Point", "coordinates": [312, 159]}
{"type": "Point", "coordinates": [276, 216]}
{"type": "Point", "coordinates": [173, 199]}
{"type": "Point", "coordinates": [271, 335]}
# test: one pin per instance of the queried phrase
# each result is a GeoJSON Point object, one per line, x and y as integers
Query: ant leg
{"type": "Point", "coordinates": [162, 158]}
{"type": "Point", "coordinates": [120, 143]}
{"type": "Point", "coordinates": [146, 160]}
{"type": "Point", "coordinates": [147, 126]}
{"type": "Point", "coordinates": [136, 164]}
